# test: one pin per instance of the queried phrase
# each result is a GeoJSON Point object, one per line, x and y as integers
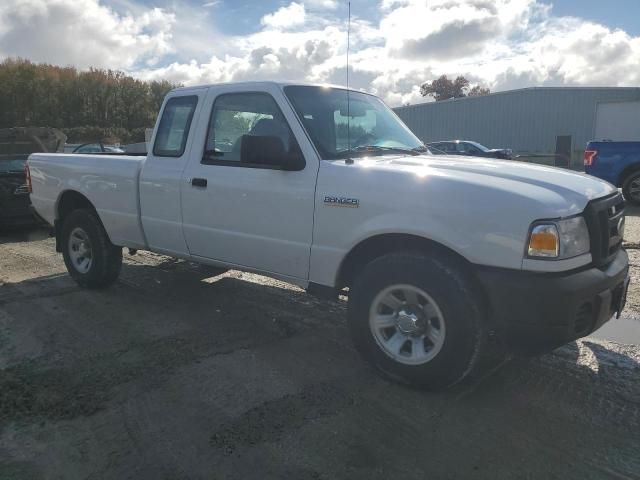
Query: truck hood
{"type": "Point", "coordinates": [552, 186]}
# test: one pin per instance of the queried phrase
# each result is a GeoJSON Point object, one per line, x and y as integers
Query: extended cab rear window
{"type": "Point", "coordinates": [174, 126]}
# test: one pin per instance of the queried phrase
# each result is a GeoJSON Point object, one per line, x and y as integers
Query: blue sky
{"type": "Point", "coordinates": [396, 44]}
{"type": "Point", "coordinates": [241, 17]}
{"type": "Point", "coordinates": [624, 14]}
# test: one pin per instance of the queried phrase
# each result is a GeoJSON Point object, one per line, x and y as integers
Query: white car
{"type": "Point", "coordinates": [327, 189]}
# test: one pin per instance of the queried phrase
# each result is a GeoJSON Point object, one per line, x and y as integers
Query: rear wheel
{"type": "Point", "coordinates": [417, 319]}
{"type": "Point", "coordinates": [631, 188]}
{"type": "Point", "coordinates": [91, 259]}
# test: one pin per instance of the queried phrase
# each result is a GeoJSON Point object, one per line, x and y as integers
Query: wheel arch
{"type": "Point", "coordinates": [628, 170]}
{"type": "Point", "coordinates": [382, 244]}
{"type": "Point", "coordinates": [68, 201]}
{"type": "Point", "coordinates": [71, 200]}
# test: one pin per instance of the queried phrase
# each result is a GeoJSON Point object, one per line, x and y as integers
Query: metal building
{"type": "Point", "coordinates": [543, 124]}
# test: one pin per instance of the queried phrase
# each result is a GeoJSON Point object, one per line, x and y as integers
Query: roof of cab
{"type": "Point", "coordinates": [258, 84]}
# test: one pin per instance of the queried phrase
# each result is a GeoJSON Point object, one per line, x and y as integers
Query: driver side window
{"type": "Point", "coordinates": [237, 115]}
{"type": "Point", "coordinates": [471, 150]}
{"type": "Point", "coordinates": [450, 147]}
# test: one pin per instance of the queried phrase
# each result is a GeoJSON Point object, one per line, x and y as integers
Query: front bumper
{"type": "Point", "coordinates": [541, 311]}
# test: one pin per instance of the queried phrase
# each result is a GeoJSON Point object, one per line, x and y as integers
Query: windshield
{"type": "Point", "coordinates": [341, 129]}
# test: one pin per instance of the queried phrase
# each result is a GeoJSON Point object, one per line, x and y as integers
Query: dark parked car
{"type": "Point", "coordinates": [471, 149]}
{"type": "Point", "coordinates": [96, 148]}
{"type": "Point", "coordinates": [14, 196]}
{"type": "Point", "coordinates": [15, 146]}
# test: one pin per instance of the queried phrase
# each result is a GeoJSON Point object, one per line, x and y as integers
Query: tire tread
{"type": "Point", "coordinates": [433, 375]}
{"type": "Point", "coordinates": [107, 258]}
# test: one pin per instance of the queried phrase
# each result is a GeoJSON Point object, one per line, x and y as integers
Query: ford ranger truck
{"type": "Point", "coordinates": [618, 163]}
{"type": "Point", "coordinates": [327, 189]}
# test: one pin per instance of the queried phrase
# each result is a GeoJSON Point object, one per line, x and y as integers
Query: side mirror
{"type": "Point", "coordinates": [269, 150]}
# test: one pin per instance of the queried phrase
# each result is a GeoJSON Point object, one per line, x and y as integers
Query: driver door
{"type": "Point", "coordinates": [242, 214]}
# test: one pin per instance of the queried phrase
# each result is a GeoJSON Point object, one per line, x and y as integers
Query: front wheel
{"type": "Point", "coordinates": [417, 319]}
{"type": "Point", "coordinates": [91, 259]}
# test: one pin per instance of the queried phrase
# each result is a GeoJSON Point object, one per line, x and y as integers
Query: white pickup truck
{"type": "Point", "coordinates": [327, 189]}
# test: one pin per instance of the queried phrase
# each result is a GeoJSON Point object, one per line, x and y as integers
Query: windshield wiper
{"type": "Point", "coordinates": [379, 148]}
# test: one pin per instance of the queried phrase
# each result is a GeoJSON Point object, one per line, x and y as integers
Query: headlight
{"type": "Point", "coordinates": [559, 239]}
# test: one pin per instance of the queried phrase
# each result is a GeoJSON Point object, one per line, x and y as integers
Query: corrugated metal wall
{"type": "Point", "coordinates": [527, 121]}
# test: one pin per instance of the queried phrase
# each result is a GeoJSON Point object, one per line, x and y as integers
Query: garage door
{"type": "Point", "coordinates": [618, 121]}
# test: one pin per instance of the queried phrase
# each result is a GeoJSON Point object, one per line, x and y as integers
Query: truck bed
{"type": "Point", "coordinates": [110, 182]}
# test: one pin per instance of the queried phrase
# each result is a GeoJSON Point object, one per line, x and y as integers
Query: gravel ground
{"type": "Point", "coordinates": [174, 374]}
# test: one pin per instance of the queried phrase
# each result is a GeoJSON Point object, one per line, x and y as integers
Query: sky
{"type": "Point", "coordinates": [396, 45]}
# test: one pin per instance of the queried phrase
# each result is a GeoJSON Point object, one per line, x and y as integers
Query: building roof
{"type": "Point", "coordinates": [519, 91]}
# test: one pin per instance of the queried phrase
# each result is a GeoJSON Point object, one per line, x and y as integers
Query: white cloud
{"type": "Point", "coordinates": [452, 28]}
{"type": "Point", "coordinates": [322, 4]}
{"type": "Point", "coordinates": [498, 43]}
{"type": "Point", "coordinates": [568, 51]}
{"type": "Point", "coordinates": [269, 54]}
{"type": "Point", "coordinates": [83, 33]}
{"type": "Point", "coordinates": [292, 15]}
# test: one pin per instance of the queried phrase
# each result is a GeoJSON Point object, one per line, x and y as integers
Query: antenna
{"type": "Point", "coordinates": [348, 160]}
{"type": "Point", "coordinates": [348, 39]}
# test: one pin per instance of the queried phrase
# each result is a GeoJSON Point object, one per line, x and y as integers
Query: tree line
{"type": "Point", "coordinates": [88, 106]}
{"type": "Point", "coordinates": [109, 106]}
{"type": "Point", "coordinates": [444, 88]}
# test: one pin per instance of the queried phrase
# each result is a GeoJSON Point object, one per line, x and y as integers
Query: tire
{"type": "Point", "coordinates": [444, 328]}
{"type": "Point", "coordinates": [631, 188]}
{"type": "Point", "coordinates": [83, 233]}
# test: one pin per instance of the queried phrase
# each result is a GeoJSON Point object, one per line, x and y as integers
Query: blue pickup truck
{"type": "Point", "coordinates": [617, 163]}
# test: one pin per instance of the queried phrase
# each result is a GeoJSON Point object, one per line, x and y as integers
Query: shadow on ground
{"type": "Point", "coordinates": [26, 233]}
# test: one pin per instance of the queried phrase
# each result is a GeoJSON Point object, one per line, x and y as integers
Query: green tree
{"type": "Point", "coordinates": [87, 105]}
{"type": "Point", "coordinates": [478, 91]}
{"type": "Point", "coordinates": [444, 88]}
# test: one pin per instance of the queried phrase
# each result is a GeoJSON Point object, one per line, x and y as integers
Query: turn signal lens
{"type": "Point", "coordinates": [544, 241]}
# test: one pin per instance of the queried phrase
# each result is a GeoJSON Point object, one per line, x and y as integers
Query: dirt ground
{"type": "Point", "coordinates": [175, 374]}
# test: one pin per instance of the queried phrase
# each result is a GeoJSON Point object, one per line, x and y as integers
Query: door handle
{"type": "Point", "coordinates": [198, 182]}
